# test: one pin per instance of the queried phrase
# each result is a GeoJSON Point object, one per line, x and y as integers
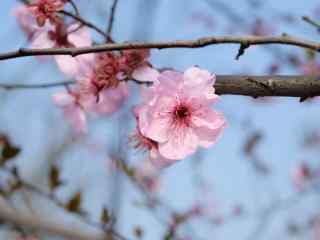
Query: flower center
{"type": "Point", "coordinates": [106, 71]}
{"type": "Point", "coordinates": [182, 112]}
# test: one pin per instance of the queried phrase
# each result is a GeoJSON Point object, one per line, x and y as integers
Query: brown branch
{"type": "Point", "coordinates": [255, 86]}
{"type": "Point", "coordinates": [311, 22]}
{"type": "Point", "coordinates": [35, 222]}
{"type": "Point", "coordinates": [55, 228]}
{"type": "Point", "coordinates": [74, 6]}
{"type": "Point", "coordinates": [198, 43]}
{"type": "Point", "coordinates": [8, 86]}
{"type": "Point", "coordinates": [260, 86]}
{"type": "Point", "coordinates": [111, 20]}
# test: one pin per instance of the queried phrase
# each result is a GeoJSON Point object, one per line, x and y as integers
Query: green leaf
{"type": "Point", "coordinates": [75, 203]}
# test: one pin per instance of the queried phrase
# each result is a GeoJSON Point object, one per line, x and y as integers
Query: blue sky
{"type": "Point", "coordinates": [36, 125]}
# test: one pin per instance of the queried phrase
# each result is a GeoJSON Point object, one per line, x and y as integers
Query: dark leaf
{"type": "Point", "coordinates": [9, 150]}
{"type": "Point", "coordinates": [252, 142]}
{"type": "Point", "coordinates": [138, 232]}
{"type": "Point", "coordinates": [74, 204]}
{"type": "Point", "coordinates": [105, 217]}
{"type": "Point", "coordinates": [54, 176]}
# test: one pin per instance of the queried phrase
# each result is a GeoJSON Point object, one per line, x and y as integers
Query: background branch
{"type": "Point", "coordinates": [111, 20]}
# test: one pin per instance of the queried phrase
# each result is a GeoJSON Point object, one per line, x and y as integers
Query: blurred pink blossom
{"type": "Point", "coordinates": [311, 67]}
{"type": "Point", "coordinates": [301, 174]}
{"type": "Point", "coordinates": [44, 10]}
{"type": "Point", "coordinates": [147, 176]}
{"type": "Point", "coordinates": [102, 84]}
{"type": "Point", "coordinates": [25, 20]}
{"type": "Point", "coordinates": [61, 35]}
{"type": "Point", "coordinates": [73, 109]}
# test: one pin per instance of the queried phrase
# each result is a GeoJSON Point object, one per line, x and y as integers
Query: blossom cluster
{"type": "Point", "coordinates": [175, 117]}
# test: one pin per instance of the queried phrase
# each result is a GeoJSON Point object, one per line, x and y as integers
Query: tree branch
{"type": "Point", "coordinates": [84, 22]}
{"type": "Point", "coordinates": [198, 43]}
{"type": "Point", "coordinates": [111, 20]}
{"type": "Point", "coordinates": [63, 230]}
{"type": "Point", "coordinates": [34, 222]}
{"type": "Point", "coordinates": [311, 22]}
{"type": "Point", "coordinates": [255, 86]}
{"type": "Point", "coordinates": [34, 86]}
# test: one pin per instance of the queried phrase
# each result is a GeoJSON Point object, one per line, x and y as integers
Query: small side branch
{"type": "Point", "coordinates": [311, 22]}
{"type": "Point", "coordinates": [111, 20]}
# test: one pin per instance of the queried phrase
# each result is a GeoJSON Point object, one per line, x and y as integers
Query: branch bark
{"type": "Point", "coordinates": [255, 86]}
{"type": "Point", "coordinates": [197, 43]}
{"type": "Point", "coordinates": [35, 222]}
{"type": "Point", "coordinates": [260, 86]}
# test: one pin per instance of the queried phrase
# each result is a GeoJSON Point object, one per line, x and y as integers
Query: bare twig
{"type": "Point", "coordinates": [198, 43]}
{"type": "Point", "coordinates": [36, 223]}
{"type": "Point", "coordinates": [311, 22]}
{"type": "Point", "coordinates": [111, 20]}
{"type": "Point", "coordinates": [84, 22]}
{"type": "Point", "coordinates": [50, 226]}
{"type": "Point", "coordinates": [34, 86]}
{"type": "Point", "coordinates": [74, 6]}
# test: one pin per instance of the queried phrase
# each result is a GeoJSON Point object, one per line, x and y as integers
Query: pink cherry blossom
{"type": "Point", "coordinates": [44, 10]}
{"type": "Point", "coordinates": [147, 176]}
{"type": "Point", "coordinates": [177, 115]}
{"type": "Point", "coordinates": [65, 36]}
{"type": "Point", "coordinates": [74, 112]}
{"type": "Point", "coordinates": [301, 175]}
{"type": "Point", "coordinates": [134, 64]}
{"type": "Point", "coordinates": [109, 100]}
{"type": "Point", "coordinates": [311, 67]}
{"type": "Point", "coordinates": [102, 84]}
{"type": "Point", "coordinates": [25, 20]}
{"type": "Point", "coordinates": [139, 141]}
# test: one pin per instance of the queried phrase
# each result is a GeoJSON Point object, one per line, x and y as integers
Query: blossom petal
{"type": "Point", "coordinates": [207, 137]}
{"type": "Point", "coordinates": [77, 118]}
{"type": "Point", "coordinates": [79, 37]}
{"type": "Point", "coordinates": [159, 161]}
{"type": "Point", "coordinates": [67, 65]}
{"type": "Point", "coordinates": [145, 73]}
{"type": "Point", "coordinates": [195, 77]}
{"type": "Point", "coordinates": [157, 126]}
{"type": "Point", "coordinates": [182, 143]}
{"type": "Point", "coordinates": [41, 39]}
{"type": "Point", "coordinates": [63, 99]}
{"type": "Point", "coordinates": [209, 118]}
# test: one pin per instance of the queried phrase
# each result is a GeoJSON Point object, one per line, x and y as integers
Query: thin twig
{"type": "Point", "coordinates": [74, 6]}
{"type": "Point", "coordinates": [111, 20]}
{"type": "Point", "coordinates": [9, 86]}
{"type": "Point", "coordinates": [54, 228]}
{"type": "Point", "coordinates": [311, 22]}
{"type": "Point", "coordinates": [197, 43]}
{"type": "Point", "coordinates": [84, 22]}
